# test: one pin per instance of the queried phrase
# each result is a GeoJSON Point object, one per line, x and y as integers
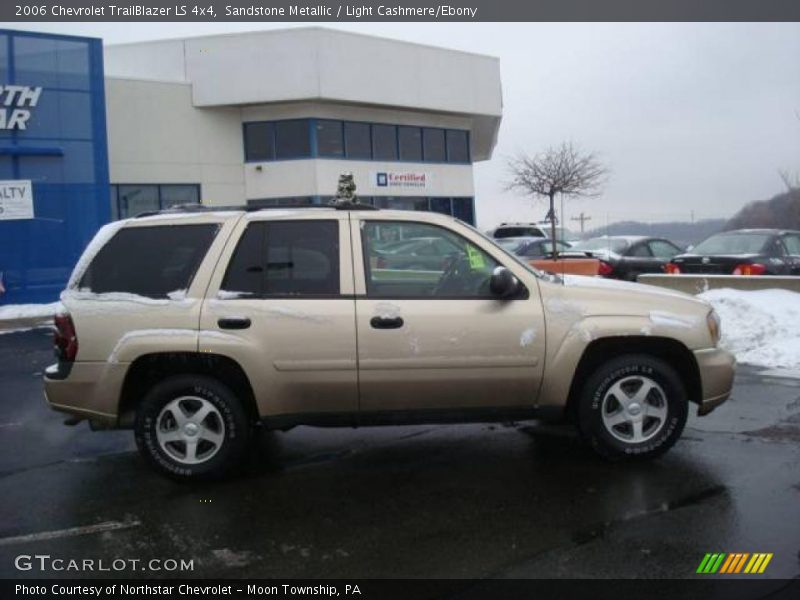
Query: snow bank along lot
{"type": "Point", "coordinates": [761, 327]}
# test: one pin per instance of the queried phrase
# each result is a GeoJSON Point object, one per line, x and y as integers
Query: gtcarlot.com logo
{"type": "Point", "coordinates": [735, 563]}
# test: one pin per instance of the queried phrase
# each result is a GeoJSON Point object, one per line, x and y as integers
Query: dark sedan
{"type": "Point", "coordinates": [743, 252]}
{"type": "Point", "coordinates": [627, 257]}
{"type": "Point", "coordinates": [535, 247]}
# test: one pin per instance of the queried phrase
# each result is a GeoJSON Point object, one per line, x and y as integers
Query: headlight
{"type": "Point", "coordinates": [714, 326]}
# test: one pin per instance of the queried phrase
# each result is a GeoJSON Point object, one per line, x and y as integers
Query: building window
{"type": "Point", "coordinates": [441, 205]}
{"type": "Point", "coordinates": [292, 139]}
{"type": "Point", "coordinates": [259, 141]}
{"type": "Point", "coordinates": [129, 200]}
{"type": "Point", "coordinates": [433, 144]}
{"type": "Point", "coordinates": [384, 142]}
{"type": "Point", "coordinates": [357, 141]}
{"type": "Point", "coordinates": [464, 209]}
{"type": "Point", "coordinates": [330, 141]}
{"type": "Point", "coordinates": [410, 143]}
{"type": "Point", "coordinates": [457, 146]}
{"type": "Point", "coordinates": [283, 140]}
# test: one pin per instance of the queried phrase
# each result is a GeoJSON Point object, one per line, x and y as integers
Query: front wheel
{"type": "Point", "coordinates": [633, 406]}
{"type": "Point", "coordinates": [191, 427]}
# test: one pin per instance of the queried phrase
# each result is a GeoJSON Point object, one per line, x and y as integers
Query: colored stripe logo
{"type": "Point", "coordinates": [735, 562]}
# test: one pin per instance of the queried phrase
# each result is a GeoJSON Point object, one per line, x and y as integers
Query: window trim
{"type": "Point", "coordinates": [263, 296]}
{"type": "Point", "coordinates": [523, 294]}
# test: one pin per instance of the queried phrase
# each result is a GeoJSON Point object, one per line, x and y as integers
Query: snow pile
{"type": "Point", "coordinates": [760, 327]}
{"type": "Point", "coordinates": [28, 311]}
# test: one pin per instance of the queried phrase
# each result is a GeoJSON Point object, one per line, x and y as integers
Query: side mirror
{"type": "Point", "coordinates": [503, 284]}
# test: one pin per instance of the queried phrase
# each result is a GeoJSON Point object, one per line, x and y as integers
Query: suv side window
{"type": "Point", "coordinates": [457, 269]}
{"type": "Point", "coordinates": [285, 258]}
{"type": "Point", "coordinates": [149, 261]}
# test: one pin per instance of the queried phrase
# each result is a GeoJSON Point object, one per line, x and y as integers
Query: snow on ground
{"type": "Point", "coordinates": [760, 327]}
{"type": "Point", "coordinates": [28, 311]}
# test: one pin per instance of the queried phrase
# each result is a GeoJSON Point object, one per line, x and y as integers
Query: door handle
{"type": "Point", "coordinates": [386, 322]}
{"type": "Point", "coordinates": [234, 323]}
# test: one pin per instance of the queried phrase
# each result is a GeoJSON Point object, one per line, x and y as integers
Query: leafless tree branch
{"type": "Point", "coordinates": [558, 170]}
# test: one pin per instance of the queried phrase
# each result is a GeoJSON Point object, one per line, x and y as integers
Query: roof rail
{"type": "Point", "coordinates": [200, 208]}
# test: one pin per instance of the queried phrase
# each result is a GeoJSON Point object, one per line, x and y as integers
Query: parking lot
{"type": "Point", "coordinates": [484, 500]}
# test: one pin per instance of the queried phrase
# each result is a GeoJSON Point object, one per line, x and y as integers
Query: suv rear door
{"type": "Point", "coordinates": [281, 305]}
{"type": "Point", "coordinates": [437, 339]}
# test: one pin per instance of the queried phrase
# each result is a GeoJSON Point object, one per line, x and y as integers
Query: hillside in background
{"type": "Point", "coordinates": [780, 212]}
{"type": "Point", "coordinates": [682, 233]}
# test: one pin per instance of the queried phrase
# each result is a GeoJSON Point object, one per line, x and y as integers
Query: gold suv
{"type": "Point", "coordinates": [193, 326]}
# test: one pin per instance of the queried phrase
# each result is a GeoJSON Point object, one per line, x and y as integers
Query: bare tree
{"type": "Point", "coordinates": [558, 170]}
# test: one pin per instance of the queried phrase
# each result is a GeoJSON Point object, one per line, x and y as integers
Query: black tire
{"type": "Point", "coordinates": [229, 421]}
{"type": "Point", "coordinates": [627, 370]}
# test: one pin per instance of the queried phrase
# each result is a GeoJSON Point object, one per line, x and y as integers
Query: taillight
{"type": "Point", "coordinates": [750, 269]}
{"type": "Point", "coordinates": [605, 269]}
{"type": "Point", "coordinates": [672, 269]}
{"type": "Point", "coordinates": [65, 340]}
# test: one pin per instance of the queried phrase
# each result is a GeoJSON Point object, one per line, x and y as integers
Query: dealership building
{"type": "Point", "coordinates": [92, 134]}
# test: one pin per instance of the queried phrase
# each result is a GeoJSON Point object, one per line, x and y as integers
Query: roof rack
{"type": "Point", "coordinates": [200, 208]}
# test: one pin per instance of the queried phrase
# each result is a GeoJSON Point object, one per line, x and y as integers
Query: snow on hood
{"type": "Point", "coordinates": [583, 281]}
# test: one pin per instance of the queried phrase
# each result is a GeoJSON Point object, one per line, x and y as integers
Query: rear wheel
{"type": "Point", "coordinates": [633, 406]}
{"type": "Point", "coordinates": [192, 427]}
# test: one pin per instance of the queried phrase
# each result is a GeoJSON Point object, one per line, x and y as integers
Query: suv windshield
{"type": "Point", "coordinates": [733, 243]}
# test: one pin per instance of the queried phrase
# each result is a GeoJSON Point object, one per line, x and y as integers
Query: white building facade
{"type": "Point", "coordinates": [272, 118]}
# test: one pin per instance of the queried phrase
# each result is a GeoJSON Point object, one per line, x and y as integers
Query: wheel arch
{"type": "Point", "coordinates": [668, 349]}
{"type": "Point", "coordinates": [149, 369]}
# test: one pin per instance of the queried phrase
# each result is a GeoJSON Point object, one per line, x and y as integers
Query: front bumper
{"type": "Point", "coordinates": [717, 368]}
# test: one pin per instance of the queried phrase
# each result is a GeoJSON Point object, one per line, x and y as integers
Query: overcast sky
{"type": "Point", "coordinates": [689, 117]}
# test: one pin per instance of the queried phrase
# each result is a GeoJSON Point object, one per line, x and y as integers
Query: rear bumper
{"type": "Point", "coordinates": [86, 390]}
{"type": "Point", "coordinates": [717, 368]}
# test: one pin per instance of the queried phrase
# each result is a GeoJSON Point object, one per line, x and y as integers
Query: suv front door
{"type": "Point", "coordinates": [283, 308]}
{"type": "Point", "coordinates": [437, 338]}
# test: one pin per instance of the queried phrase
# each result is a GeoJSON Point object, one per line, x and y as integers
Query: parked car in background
{"type": "Point", "coordinates": [626, 257]}
{"type": "Point", "coordinates": [743, 252]}
{"type": "Point", "coordinates": [514, 230]}
{"type": "Point", "coordinates": [541, 230]}
{"type": "Point", "coordinates": [422, 254]}
{"type": "Point", "coordinates": [537, 247]}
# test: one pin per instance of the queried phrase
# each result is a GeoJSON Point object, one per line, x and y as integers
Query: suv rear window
{"type": "Point", "coordinates": [514, 231]}
{"type": "Point", "coordinates": [149, 261]}
{"type": "Point", "coordinates": [285, 258]}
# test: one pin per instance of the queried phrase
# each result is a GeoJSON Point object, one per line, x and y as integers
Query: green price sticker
{"type": "Point", "coordinates": [476, 260]}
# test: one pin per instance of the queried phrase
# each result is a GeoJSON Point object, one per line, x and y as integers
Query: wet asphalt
{"type": "Point", "coordinates": [483, 500]}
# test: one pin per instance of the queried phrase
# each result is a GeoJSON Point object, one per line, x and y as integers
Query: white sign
{"type": "Point", "coordinates": [404, 180]}
{"type": "Point", "coordinates": [13, 102]}
{"type": "Point", "coordinates": [16, 200]}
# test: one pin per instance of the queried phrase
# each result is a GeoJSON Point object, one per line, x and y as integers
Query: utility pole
{"type": "Point", "coordinates": [582, 218]}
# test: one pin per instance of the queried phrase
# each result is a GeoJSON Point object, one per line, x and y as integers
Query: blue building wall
{"type": "Point", "coordinates": [63, 151]}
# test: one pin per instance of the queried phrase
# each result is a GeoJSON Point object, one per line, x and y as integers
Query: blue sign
{"type": "Point", "coordinates": [52, 144]}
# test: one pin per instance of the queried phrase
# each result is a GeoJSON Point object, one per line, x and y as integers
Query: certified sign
{"type": "Point", "coordinates": [401, 180]}
{"type": "Point", "coordinates": [16, 200]}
